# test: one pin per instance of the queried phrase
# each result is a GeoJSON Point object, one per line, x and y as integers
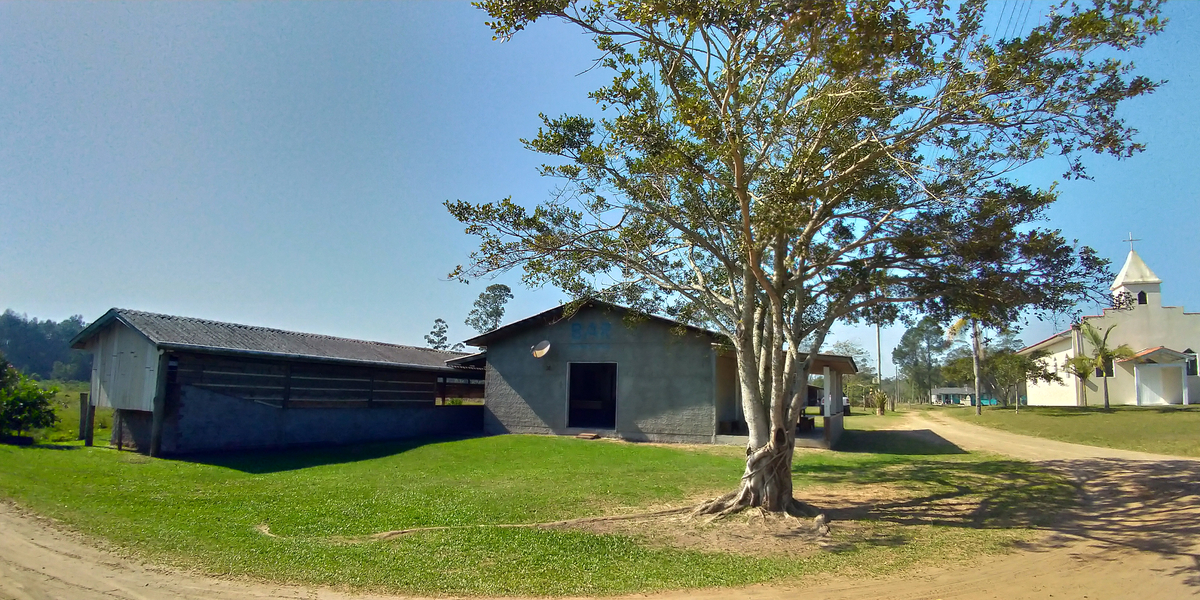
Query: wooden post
{"type": "Point", "coordinates": [83, 410]}
{"type": "Point", "coordinates": [89, 426]}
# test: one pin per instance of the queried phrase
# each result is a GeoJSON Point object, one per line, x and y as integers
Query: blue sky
{"type": "Point", "coordinates": [284, 164]}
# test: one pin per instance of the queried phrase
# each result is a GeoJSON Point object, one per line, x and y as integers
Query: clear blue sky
{"type": "Point", "coordinates": [284, 164]}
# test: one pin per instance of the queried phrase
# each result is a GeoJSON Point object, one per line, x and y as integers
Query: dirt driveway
{"type": "Point", "coordinates": [1135, 536]}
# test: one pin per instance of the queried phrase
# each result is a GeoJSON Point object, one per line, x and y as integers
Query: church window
{"type": "Point", "coordinates": [1107, 371]}
{"type": "Point", "coordinates": [1192, 370]}
{"type": "Point", "coordinates": [1141, 297]}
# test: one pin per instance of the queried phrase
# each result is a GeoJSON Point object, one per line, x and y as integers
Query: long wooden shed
{"type": "Point", "coordinates": [183, 385]}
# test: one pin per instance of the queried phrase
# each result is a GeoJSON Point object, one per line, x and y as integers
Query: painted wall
{"type": "Point", "coordinates": [665, 381]}
{"type": "Point", "coordinates": [124, 368]}
{"type": "Point", "coordinates": [1146, 326]}
{"type": "Point", "coordinates": [1056, 394]}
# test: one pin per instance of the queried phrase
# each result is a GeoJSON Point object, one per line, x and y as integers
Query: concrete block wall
{"type": "Point", "coordinates": [131, 429]}
{"type": "Point", "coordinates": [665, 381]}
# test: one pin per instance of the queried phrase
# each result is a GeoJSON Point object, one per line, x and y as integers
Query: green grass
{"type": "Point", "coordinates": [66, 406]}
{"type": "Point", "coordinates": [1163, 430]}
{"type": "Point", "coordinates": [203, 513]}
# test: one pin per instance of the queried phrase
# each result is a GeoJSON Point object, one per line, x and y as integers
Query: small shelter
{"type": "Point", "coordinates": [182, 385]}
{"type": "Point", "coordinates": [605, 369]}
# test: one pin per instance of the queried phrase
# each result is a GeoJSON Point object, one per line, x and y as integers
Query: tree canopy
{"type": "Point", "coordinates": [918, 355]}
{"type": "Point", "coordinates": [41, 348]}
{"type": "Point", "coordinates": [488, 310]}
{"type": "Point", "coordinates": [770, 168]}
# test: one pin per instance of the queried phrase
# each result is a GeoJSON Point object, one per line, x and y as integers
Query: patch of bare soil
{"type": "Point", "coordinates": [756, 533]}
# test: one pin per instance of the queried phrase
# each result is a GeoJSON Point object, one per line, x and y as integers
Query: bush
{"type": "Point", "coordinates": [24, 405]}
{"type": "Point", "coordinates": [879, 400]}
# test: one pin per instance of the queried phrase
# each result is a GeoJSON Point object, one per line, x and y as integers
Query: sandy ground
{"type": "Point", "coordinates": [1136, 536]}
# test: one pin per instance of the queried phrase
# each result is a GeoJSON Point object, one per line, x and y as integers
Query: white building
{"type": "Point", "coordinates": [1165, 339]}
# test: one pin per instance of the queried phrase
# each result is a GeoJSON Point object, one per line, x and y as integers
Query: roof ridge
{"type": "Point", "coordinates": [285, 331]}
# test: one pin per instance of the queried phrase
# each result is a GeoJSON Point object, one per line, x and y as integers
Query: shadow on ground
{"type": "Point", "coordinates": [1151, 506]}
{"type": "Point", "coordinates": [260, 462]}
{"type": "Point", "coordinates": [890, 441]}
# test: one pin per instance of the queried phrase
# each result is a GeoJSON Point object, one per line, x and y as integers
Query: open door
{"type": "Point", "coordinates": [592, 398]}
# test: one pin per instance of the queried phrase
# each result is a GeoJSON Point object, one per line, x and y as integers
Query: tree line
{"type": "Point", "coordinates": [41, 349]}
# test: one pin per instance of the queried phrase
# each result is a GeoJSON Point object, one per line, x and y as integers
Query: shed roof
{"type": "Point", "coordinates": [203, 335]}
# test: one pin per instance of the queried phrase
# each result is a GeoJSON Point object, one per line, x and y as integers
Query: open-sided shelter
{"type": "Point", "coordinates": [182, 385]}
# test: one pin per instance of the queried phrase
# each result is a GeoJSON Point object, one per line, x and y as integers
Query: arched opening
{"type": "Point", "coordinates": [1141, 297]}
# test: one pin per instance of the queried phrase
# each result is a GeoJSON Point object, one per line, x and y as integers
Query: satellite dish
{"type": "Point", "coordinates": [541, 349]}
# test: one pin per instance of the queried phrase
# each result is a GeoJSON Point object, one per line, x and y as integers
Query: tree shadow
{"type": "Point", "coordinates": [259, 462]}
{"type": "Point", "coordinates": [893, 441]}
{"type": "Point", "coordinates": [1149, 506]}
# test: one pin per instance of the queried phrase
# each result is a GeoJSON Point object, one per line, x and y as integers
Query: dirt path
{"type": "Point", "coordinates": [1136, 536]}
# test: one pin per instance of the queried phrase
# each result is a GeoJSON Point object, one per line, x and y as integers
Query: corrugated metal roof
{"type": "Point", "coordinates": [186, 333]}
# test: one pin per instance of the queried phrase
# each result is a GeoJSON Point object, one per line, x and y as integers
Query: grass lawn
{"type": "Point", "coordinates": [66, 406]}
{"type": "Point", "coordinates": [204, 512]}
{"type": "Point", "coordinates": [1163, 430]}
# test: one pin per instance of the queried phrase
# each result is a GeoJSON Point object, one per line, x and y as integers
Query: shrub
{"type": "Point", "coordinates": [24, 406]}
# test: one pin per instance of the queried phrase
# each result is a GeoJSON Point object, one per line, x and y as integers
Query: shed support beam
{"type": "Point", "coordinates": [89, 420]}
{"type": "Point", "coordinates": [160, 406]}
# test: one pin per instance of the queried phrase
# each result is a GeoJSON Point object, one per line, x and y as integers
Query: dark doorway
{"type": "Point", "coordinates": [592, 400]}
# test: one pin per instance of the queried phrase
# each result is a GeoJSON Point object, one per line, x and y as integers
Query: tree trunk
{"type": "Point", "coordinates": [766, 483]}
{"type": "Point", "coordinates": [1106, 391]}
{"type": "Point", "coordinates": [975, 353]}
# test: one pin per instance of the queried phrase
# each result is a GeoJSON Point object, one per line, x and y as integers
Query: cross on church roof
{"type": "Point", "coordinates": [1131, 240]}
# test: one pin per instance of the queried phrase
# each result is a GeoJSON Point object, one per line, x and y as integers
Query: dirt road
{"type": "Point", "coordinates": [1136, 536]}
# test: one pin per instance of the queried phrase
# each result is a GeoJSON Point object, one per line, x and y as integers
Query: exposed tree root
{"type": "Point", "coordinates": [388, 535]}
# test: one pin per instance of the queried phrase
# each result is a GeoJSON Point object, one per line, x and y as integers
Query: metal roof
{"type": "Point", "coordinates": [202, 335]}
{"type": "Point", "coordinates": [548, 317]}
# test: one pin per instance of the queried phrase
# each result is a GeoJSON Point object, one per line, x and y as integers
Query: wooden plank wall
{"type": "Point", "coordinates": [306, 385]}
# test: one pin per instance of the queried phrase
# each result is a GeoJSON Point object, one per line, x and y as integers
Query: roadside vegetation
{"type": "Point", "coordinates": [896, 502]}
{"type": "Point", "coordinates": [1162, 430]}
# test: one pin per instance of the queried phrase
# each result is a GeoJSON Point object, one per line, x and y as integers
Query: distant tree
{"type": "Point", "coordinates": [437, 337]}
{"type": "Point", "coordinates": [1002, 370]}
{"type": "Point", "coordinates": [859, 385]}
{"type": "Point", "coordinates": [919, 354]}
{"type": "Point", "coordinates": [489, 308]}
{"type": "Point", "coordinates": [1102, 355]}
{"type": "Point", "coordinates": [24, 405]}
{"type": "Point", "coordinates": [41, 348]}
{"type": "Point", "coordinates": [1008, 370]}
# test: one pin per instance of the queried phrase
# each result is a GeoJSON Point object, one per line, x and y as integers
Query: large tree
{"type": "Point", "coordinates": [768, 169]}
{"type": "Point", "coordinates": [488, 310]}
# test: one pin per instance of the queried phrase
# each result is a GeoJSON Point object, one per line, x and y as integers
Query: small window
{"type": "Point", "coordinates": [1192, 370]}
{"type": "Point", "coordinates": [1107, 371]}
{"type": "Point", "coordinates": [1141, 297]}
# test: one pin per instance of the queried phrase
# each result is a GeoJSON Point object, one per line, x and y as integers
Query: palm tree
{"type": "Point", "coordinates": [1082, 367]}
{"type": "Point", "coordinates": [1102, 356]}
{"type": "Point", "coordinates": [976, 353]}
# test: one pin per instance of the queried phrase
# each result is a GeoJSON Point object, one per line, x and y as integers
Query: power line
{"type": "Point", "coordinates": [996, 29]}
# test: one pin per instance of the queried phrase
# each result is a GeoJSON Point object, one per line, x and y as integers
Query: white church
{"type": "Point", "coordinates": [1164, 338]}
